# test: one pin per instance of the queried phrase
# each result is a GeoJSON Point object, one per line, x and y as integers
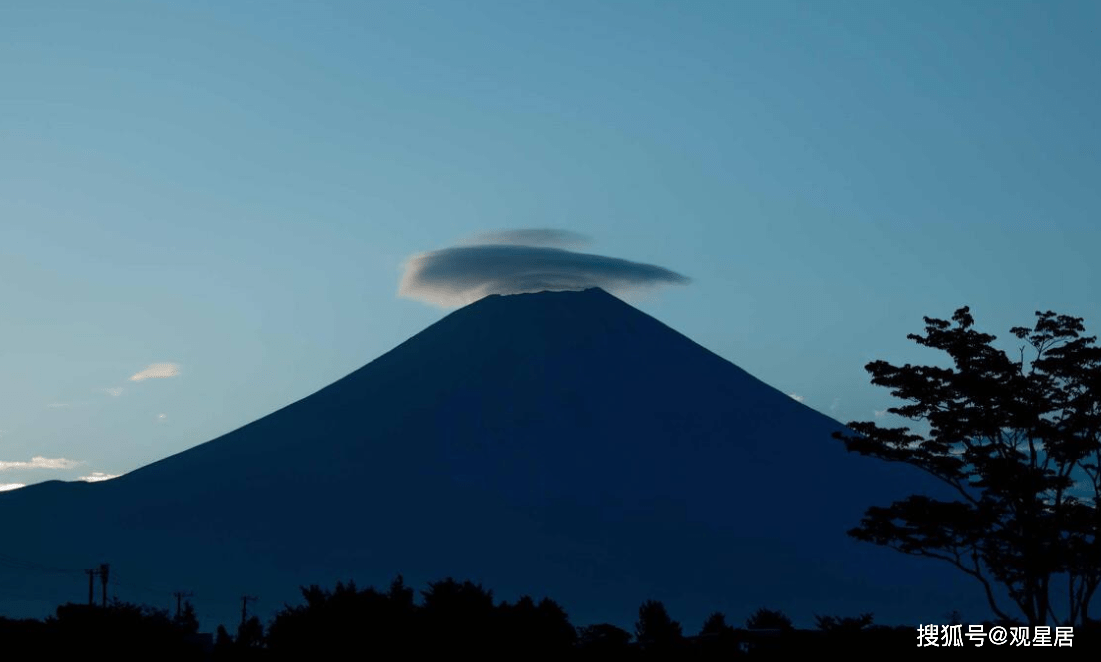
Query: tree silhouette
{"type": "Point", "coordinates": [460, 616]}
{"type": "Point", "coordinates": [223, 643]}
{"type": "Point", "coordinates": [843, 623]}
{"type": "Point", "coordinates": [187, 621]}
{"type": "Point", "coordinates": [528, 629]}
{"type": "Point", "coordinates": [603, 640]}
{"type": "Point", "coordinates": [1019, 443]}
{"type": "Point", "coordinates": [716, 625]}
{"type": "Point", "coordinates": [400, 595]}
{"type": "Point", "coordinates": [654, 628]}
{"type": "Point", "coordinates": [250, 634]}
{"type": "Point", "coordinates": [769, 619]}
{"type": "Point", "coordinates": [717, 640]}
{"type": "Point", "coordinates": [344, 621]}
{"type": "Point", "coordinates": [455, 617]}
{"type": "Point", "coordinates": [121, 630]}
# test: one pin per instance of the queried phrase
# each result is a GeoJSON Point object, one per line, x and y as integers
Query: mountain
{"type": "Point", "coordinates": [560, 443]}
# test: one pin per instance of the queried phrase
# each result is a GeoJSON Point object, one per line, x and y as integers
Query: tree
{"type": "Point", "coordinates": [603, 640]}
{"type": "Point", "coordinates": [1018, 440]}
{"type": "Point", "coordinates": [222, 640]}
{"type": "Point", "coordinates": [344, 621]}
{"type": "Point", "coordinates": [121, 630]}
{"type": "Point", "coordinates": [187, 620]}
{"type": "Point", "coordinates": [250, 634]}
{"type": "Point", "coordinates": [769, 619]}
{"type": "Point", "coordinates": [717, 639]}
{"type": "Point", "coordinates": [458, 617]}
{"type": "Point", "coordinates": [843, 623]}
{"type": "Point", "coordinates": [715, 625]}
{"type": "Point", "coordinates": [654, 628]}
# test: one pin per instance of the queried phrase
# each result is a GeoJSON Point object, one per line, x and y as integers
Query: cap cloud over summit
{"type": "Point", "coordinates": [501, 264]}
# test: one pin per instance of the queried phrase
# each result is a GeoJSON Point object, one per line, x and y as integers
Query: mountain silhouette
{"type": "Point", "coordinates": [559, 443]}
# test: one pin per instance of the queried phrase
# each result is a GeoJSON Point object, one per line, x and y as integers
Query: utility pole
{"type": "Point", "coordinates": [104, 571]}
{"type": "Point", "coordinates": [92, 572]}
{"type": "Point", "coordinates": [245, 599]}
{"type": "Point", "coordinates": [180, 595]}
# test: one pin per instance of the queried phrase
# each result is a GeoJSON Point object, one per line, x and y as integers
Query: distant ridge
{"type": "Point", "coordinates": [559, 443]}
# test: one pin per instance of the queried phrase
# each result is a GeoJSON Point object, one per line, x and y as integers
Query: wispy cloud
{"type": "Point", "coordinates": [835, 404]}
{"type": "Point", "coordinates": [157, 371]}
{"type": "Point", "coordinates": [98, 476]}
{"type": "Point", "coordinates": [457, 276]}
{"type": "Point", "coordinates": [7, 487]}
{"type": "Point", "coordinates": [796, 397]}
{"type": "Point", "coordinates": [114, 391]}
{"type": "Point", "coordinates": [58, 405]}
{"type": "Point", "coordinates": [39, 462]}
{"type": "Point", "coordinates": [880, 413]}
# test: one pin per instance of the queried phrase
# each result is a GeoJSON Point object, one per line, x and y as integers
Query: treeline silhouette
{"type": "Point", "coordinates": [451, 618]}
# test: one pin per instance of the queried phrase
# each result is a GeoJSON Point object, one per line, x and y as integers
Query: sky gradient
{"type": "Point", "coordinates": [206, 208]}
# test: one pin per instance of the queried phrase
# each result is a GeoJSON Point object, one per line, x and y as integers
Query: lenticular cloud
{"type": "Point", "coordinates": [461, 275]}
{"type": "Point", "coordinates": [546, 237]}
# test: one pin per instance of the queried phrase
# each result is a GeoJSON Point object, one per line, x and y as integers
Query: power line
{"type": "Point", "coordinates": [153, 590]}
{"type": "Point", "coordinates": [109, 577]}
{"type": "Point", "coordinates": [20, 564]}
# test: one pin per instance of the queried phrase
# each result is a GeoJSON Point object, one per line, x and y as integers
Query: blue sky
{"type": "Point", "coordinates": [228, 191]}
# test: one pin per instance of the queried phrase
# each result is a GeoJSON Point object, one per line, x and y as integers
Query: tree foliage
{"type": "Point", "coordinates": [250, 634]}
{"type": "Point", "coordinates": [769, 619]}
{"type": "Point", "coordinates": [120, 630]}
{"type": "Point", "coordinates": [344, 620]}
{"type": "Point", "coordinates": [715, 625]}
{"type": "Point", "coordinates": [187, 620]}
{"type": "Point", "coordinates": [454, 618]}
{"type": "Point", "coordinates": [1018, 439]}
{"type": "Point", "coordinates": [655, 628]}
{"type": "Point", "coordinates": [603, 640]}
{"type": "Point", "coordinates": [843, 623]}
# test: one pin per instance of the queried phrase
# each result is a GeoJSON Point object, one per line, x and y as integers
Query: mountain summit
{"type": "Point", "coordinates": [559, 443]}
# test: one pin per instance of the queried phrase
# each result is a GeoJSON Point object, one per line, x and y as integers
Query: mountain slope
{"type": "Point", "coordinates": [558, 443]}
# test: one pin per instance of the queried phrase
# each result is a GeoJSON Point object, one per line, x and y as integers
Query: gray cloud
{"type": "Point", "coordinates": [545, 237]}
{"type": "Point", "coordinates": [457, 276]}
